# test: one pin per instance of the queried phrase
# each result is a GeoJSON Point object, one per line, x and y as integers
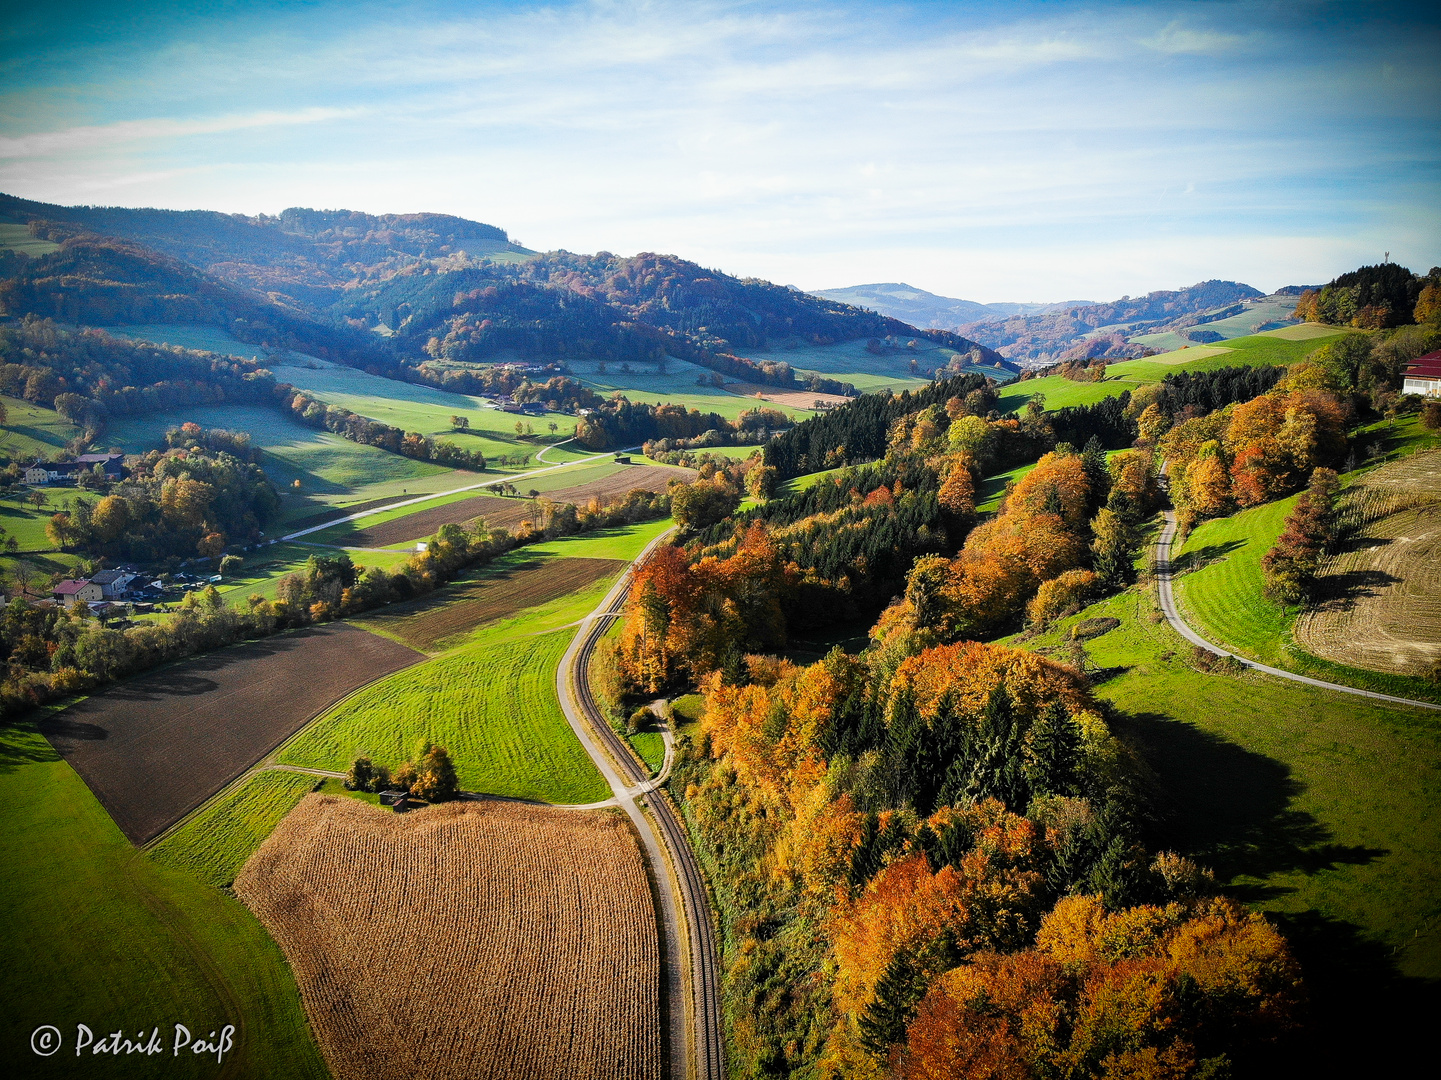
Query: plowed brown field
{"type": "Point", "coordinates": [508, 513]}
{"type": "Point", "coordinates": [1381, 606]}
{"type": "Point", "coordinates": [156, 746]}
{"type": "Point", "coordinates": [469, 940]}
{"type": "Point", "coordinates": [421, 624]}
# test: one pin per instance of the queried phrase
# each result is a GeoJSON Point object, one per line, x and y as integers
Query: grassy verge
{"type": "Point", "coordinates": [650, 745]}
{"type": "Point", "coordinates": [214, 843]}
{"type": "Point", "coordinates": [100, 934]}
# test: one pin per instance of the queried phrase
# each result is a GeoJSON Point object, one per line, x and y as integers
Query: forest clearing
{"type": "Point", "coordinates": [1381, 605]}
{"type": "Point", "coordinates": [465, 940]}
{"type": "Point", "coordinates": [157, 746]}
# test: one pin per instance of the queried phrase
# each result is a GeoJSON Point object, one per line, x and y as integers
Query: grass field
{"type": "Point", "coordinates": [32, 432]}
{"type": "Point", "coordinates": [21, 520]}
{"type": "Point", "coordinates": [492, 704]}
{"type": "Point", "coordinates": [1258, 349]}
{"type": "Point", "coordinates": [1320, 808]}
{"type": "Point", "coordinates": [16, 237]}
{"type": "Point", "coordinates": [102, 935]}
{"type": "Point", "coordinates": [263, 569]}
{"type": "Point", "coordinates": [214, 843]}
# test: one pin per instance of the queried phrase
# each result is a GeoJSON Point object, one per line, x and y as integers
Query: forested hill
{"type": "Point", "coordinates": [1062, 333]}
{"type": "Point", "coordinates": [306, 256]}
{"type": "Point", "coordinates": [406, 289]}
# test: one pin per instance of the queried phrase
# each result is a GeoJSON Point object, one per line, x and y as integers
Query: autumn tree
{"type": "Point", "coordinates": [1290, 566]}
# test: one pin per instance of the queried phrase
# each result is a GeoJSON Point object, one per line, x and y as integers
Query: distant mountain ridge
{"type": "Point", "coordinates": [926, 309]}
{"type": "Point", "coordinates": [394, 292]}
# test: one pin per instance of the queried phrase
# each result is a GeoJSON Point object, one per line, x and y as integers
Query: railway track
{"type": "Point", "coordinates": [707, 1057]}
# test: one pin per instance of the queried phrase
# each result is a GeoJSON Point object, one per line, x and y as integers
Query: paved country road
{"type": "Point", "coordinates": [1173, 616]}
{"type": "Point", "coordinates": [690, 969]}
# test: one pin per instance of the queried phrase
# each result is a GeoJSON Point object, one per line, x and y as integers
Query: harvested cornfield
{"type": "Point", "coordinates": [469, 940]}
{"type": "Point", "coordinates": [424, 623]}
{"type": "Point", "coordinates": [1380, 604]}
{"type": "Point", "coordinates": [508, 513]}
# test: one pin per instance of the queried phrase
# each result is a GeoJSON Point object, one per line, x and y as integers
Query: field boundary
{"type": "Point", "coordinates": [1166, 596]}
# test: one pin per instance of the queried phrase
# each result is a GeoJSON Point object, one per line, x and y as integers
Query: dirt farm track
{"type": "Point", "coordinates": [155, 747]}
{"type": "Point", "coordinates": [469, 940]}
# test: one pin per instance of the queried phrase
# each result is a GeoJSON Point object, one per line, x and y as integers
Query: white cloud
{"type": "Point", "coordinates": [70, 140]}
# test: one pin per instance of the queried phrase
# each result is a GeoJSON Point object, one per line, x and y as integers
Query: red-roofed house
{"type": "Point", "coordinates": [73, 592]}
{"type": "Point", "coordinates": [1423, 376]}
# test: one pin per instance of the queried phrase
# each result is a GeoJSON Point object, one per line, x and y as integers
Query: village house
{"type": "Point", "coordinates": [75, 592]}
{"type": "Point", "coordinates": [114, 584]}
{"type": "Point", "coordinates": [1423, 376]}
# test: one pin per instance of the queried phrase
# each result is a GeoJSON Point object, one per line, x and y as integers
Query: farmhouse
{"type": "Point", "coordinates": [114, 584]}
{"type": "Point", "coordinates": [75, 592]}
{"type": "Point", "coordinates": [1423, 376]}
{"type": "Point", "coordinates": [56, 472]}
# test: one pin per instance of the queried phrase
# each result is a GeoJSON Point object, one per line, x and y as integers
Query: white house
{"type": "Point", "coordinates": [1423, 376]}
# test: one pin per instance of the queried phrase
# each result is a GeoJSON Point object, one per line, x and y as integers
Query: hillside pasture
{"type": "Point", "coordinates": [155, 747]}
{"type": "Point", "coordinates": [31, 431]}
{"type": "Point", "coordinates": [103, 935]}
{"type": "Point", "coordinates": [467, 940]}
{"type": "Point", "coordinates": [16, 237]}
{"type": "Point", "coordinates": [492, 703]}
{"type": "Point", "coordinates": [1381, 606]}
{"type": "Point", "coordinates": [427, 623]}
{"type": "Point", "coordinates": [795, 399]}
{"type": "Point", "coordinates": [498, 512]}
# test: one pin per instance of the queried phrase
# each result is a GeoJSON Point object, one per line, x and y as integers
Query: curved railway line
{"type": "Point", "coordinates": [703, 1052]}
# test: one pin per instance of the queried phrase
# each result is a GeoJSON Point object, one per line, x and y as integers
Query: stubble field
{"type": "Point", "coordinates": [1382, 606]}
{"type": "Point", "coordinates": [465, 940]}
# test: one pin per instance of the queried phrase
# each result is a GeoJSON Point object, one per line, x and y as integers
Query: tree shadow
{"type": "Point", "coordinates": [1342, 590]}
{"type": "Point", "coordinates": [1229, 806]}
{"type": "Point", "coordinates": [1194, 560]}
{"type": "Point", "coordinates": [20, 745]}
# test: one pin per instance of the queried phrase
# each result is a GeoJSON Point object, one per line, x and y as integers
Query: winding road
{"type": "Point", "coordinates": [692, 983]}
{"type": "Point", "coordinates": [1173, 616]}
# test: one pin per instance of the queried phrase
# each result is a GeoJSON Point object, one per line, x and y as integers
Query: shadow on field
{"type": "Point", "coordinates": [1342, 590]}
{"type": "Point", "coordinates": [1364, 1017]}
{"type": "Point", "coordinates": [1231, 807]}
{"type": "Point", "coordinates": [20, 745]}
{"type": "Point", "coordinates": [1194, 560]}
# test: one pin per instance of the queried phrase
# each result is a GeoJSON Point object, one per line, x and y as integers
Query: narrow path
{"type": "Point", "coordinates": [453, 491]}
{"type": "Point", "coordinates": [553, 446]}
{"type": "Point", "coordinates": [692, 984]}
{"type": "Point", "coordinates": [1173, 616]}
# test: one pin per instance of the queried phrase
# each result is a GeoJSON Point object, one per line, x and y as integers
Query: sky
{"type": "Point", "coordinates": [988, 151]}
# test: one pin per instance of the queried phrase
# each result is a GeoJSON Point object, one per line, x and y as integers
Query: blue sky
{"type": "Point", "coordinates": [987, 151]}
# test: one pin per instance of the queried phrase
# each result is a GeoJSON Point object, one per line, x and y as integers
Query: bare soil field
{"type": "Point", "coordinates": [157, 746]}
{"type": "Point", "coordinates": [1381, 606]}
{"type": "Point", "coordinates": [796, 399]}
{"type": "Point", "coordinates": [502, 513]}
{"type": "Point", "coordinates": [447, 612]}
{"type": "Point", "coordinates": [468, 940]}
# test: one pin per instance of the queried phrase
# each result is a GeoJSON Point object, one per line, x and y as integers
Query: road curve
{"type": "Point", "coordinates": [692, 972]}
{"type": "Point", "coordinates": [1173, 616]}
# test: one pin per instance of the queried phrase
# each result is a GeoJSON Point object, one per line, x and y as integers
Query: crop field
{"type": "Point", "coordinates": [214, 844]}
{"type": "Point", "coordinates": [499, 513]}
{"type": "Point", "coordinates": [103, 935]}
{"type": "Point", "coordinates": [155, 747]}
{"type": "Point", "coordinates": [1382, 590]}
{"type": "Point", "coordinates": [467, 941]}
{"type": "Point", "coordinates": [31, 431]}
{"type": "Point", "coordinates": [491, 703]}
{"type": "Point", "coordinates": [1319, 808]}
{"type": "Point", "coordinates": [426, 624]}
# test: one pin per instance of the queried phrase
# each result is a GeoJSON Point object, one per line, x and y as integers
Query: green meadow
{"type": "Point", "coordinates": [101, 934]}
{"type": "Point", "coordinates": [31, 431]}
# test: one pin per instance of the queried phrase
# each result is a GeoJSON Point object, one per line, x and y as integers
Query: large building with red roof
{"type": "Point", "coordinates": [1423, 376]}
